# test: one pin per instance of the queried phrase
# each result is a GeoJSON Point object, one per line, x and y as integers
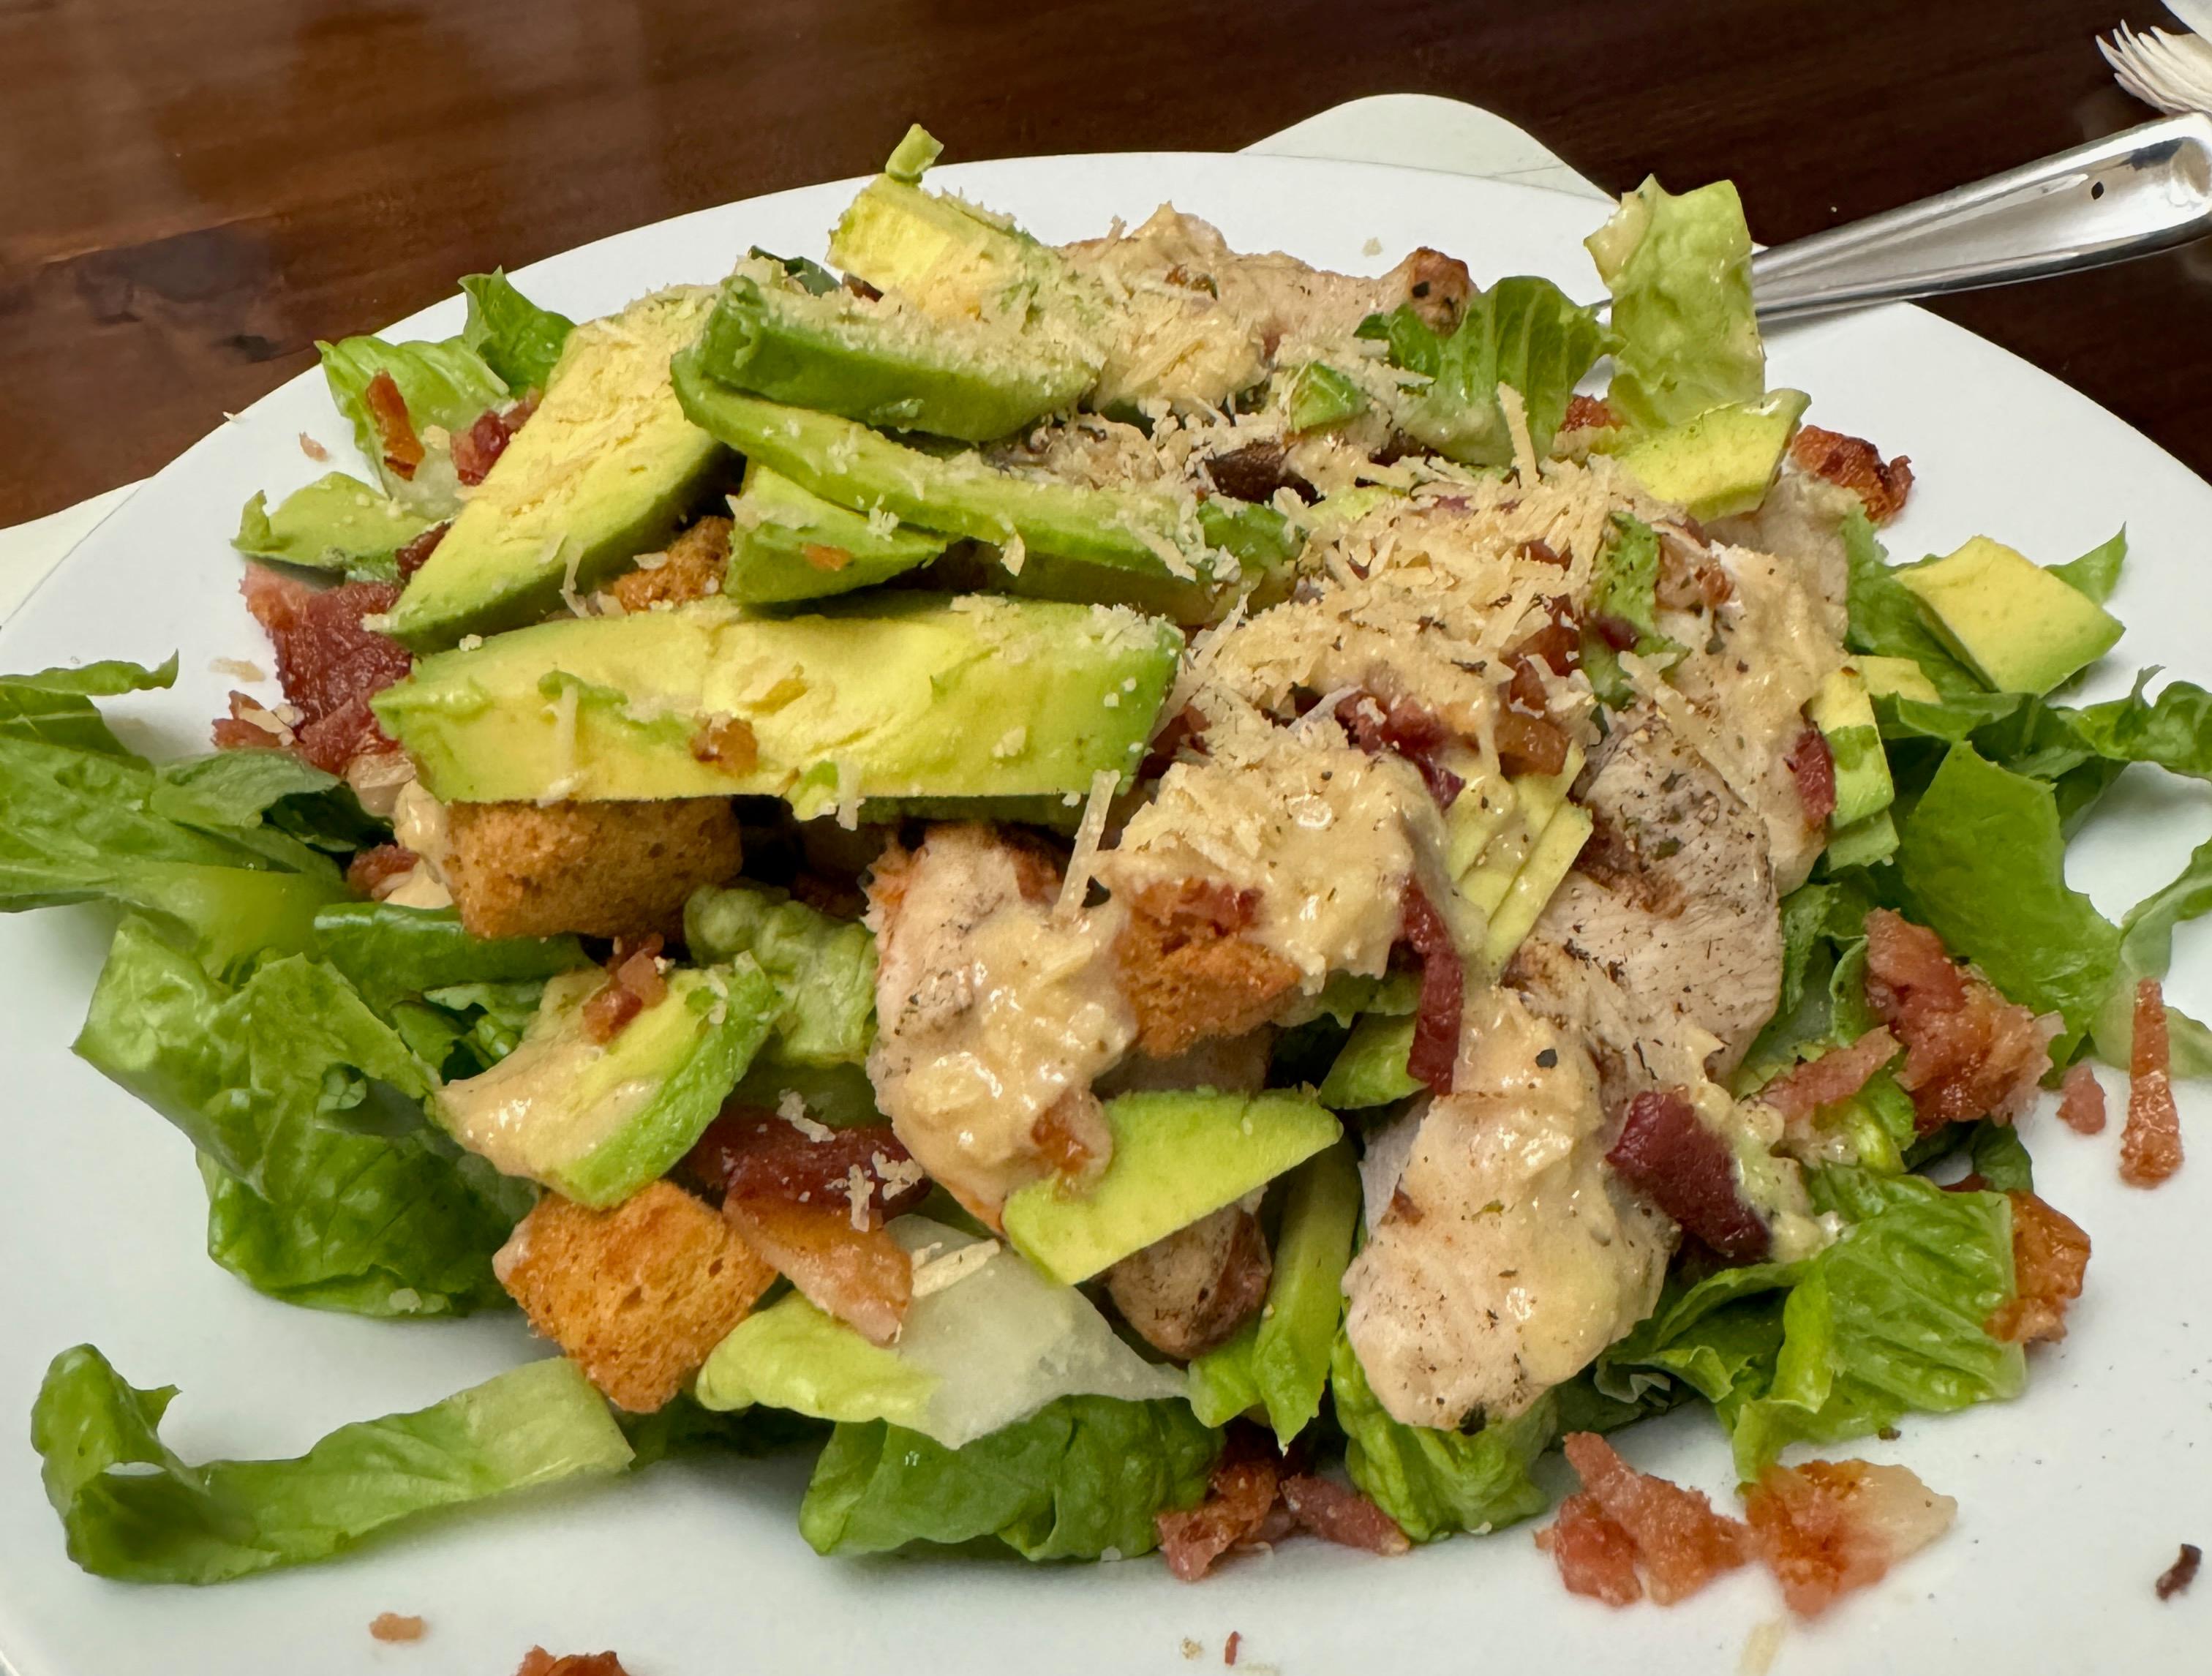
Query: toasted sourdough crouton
{"type": "Point", "coordinates": [1188, 971]}
{"type": "Point", "coordinates": [691, 568]}
{"type": "Point", "coordinates": [613, 869]}
{"type": "Point", "coordinates": [637, 1296]}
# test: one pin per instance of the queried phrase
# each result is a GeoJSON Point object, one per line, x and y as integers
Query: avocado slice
{"type": "Point", "coordinates": [1895, 677]}
{"type": "Point", "coordinates": [336, 522]}
{"type": "Point", "coordinates": [1177, 1157]}
{"type": "Point", "coordinates": [1845, 715]}
{"type": "Point", "coordinates": [787, 544]}
{"type": "Point", "coordinates": [1719, 462]}
{"type": "Point", "coordinates": [1370, 1069]}
{"type": "Point", "coordinates": [924, 696]}
{"type": "Point", "coordinates": [886, 367]}
{"type": "Point", "coordinates": [1862, 843]}
{"type": "Point", "coordinates": [1549, 859]}
{"type": "Point", "coordinates": [605, 470]}
{"type": "Point", "coordinates": [2017, 626]}
{"type": "Point", "coordinates": [1152, 534]}
{"type": "Point", "coordinates": [596, 1122]}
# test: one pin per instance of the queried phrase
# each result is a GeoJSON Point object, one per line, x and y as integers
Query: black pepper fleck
{"type": "Point", "coordinates": [1548, 1059]}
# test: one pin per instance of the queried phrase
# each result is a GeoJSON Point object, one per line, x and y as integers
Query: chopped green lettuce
{"type": "Point", "coordinates": [132, 1511]}
{"type": "Point", "coordinates": [327, 1191]}
{"type": "Point", "coordinates": [1082, 1479]}
{"type": "Point", "coordinates": [1718, 1336]}
{"type": "Point", "coordinates": [1678, 268]}
{"type": "Point", "coordinates": [2173, 731]}
{"type": "Point", "coordinates": [1370, 1069]}
{"type": "Point", "coordinates": [2146, 951]}
{"type": "Point", "coordinates": [392, 953]}
{"type": "Point", "coordinates": [512, 336]}
{"type": "Point", "coordinates": [1432, 1482]}
{"type": "Point", "coordinates": [2097, 571]}
{"type": "Point", "coordinates": [824, 967]}
{"type": "Point", "coordinates": [227, 792]}
{"type": "Point", "coordinates": [54, 706]}
{"type": "Point", "coordinates": [1624, 585]}
{"type": "Point", "coordinates": [446, 384]}
{"type": "Point", "coordinates": [337, 523]}
{"type": "Point", "coordinates": [1886, 618]}
{"type": "Point", "coordinates": [1523, 332]}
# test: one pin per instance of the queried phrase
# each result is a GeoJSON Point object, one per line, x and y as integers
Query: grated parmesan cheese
{"type": "Point", "coordinates": [791, 1107]}
{"type": "Point", "coordinates": [860, 1188]}
{"type": "Point", "coordinates": [1517, 426]}
{"type": "Point", "coordinates": [936, 1273]}
{"type": "Point", "coordinates": [848, 794]}
{"type": "Point", "coordinates": [239, 667]}
{"type": "Point", "coordinates": [1014, 555]}
{"type": "Point", "coordinates": [1088, 831]}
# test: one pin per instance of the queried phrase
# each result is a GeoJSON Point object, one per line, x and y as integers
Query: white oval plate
{"type": "Point", "coordinates": [2072, 1499]}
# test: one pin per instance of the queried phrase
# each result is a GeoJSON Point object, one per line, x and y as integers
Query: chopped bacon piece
{"type": "Point", "coordinates": [1239, 1499]}
{"type": "Point", "coordinates": [328, 664]}
{"type": "Point", "coordinates": [1073, 1137]}
{"type": "Point", "coordinates": [1338, 1513]}
{"type": "Point", "coordinates": [1854, 462]}
{"type": "Point", "coordinates": [634, 983]}
{"type": "Point", "coordinates": [396, 1626]}
{"type": "Point", "coordinates": [1676, 1541]}
{"type": "Point", "coordinates": [417, 553]}
{"type": "Point", "coordinates": [1529, 741]}
{"type": "Point", "coordinates": [539, 1662]}
{"type": "Point", "coordinates": [729, 743]}
{"type": "Point", "coordinates": [1443, 992]}
{"type": "Point", "coordinates": [1812, 766]}
{"type": "Point", "coordinates": [1674, 1160]}
{"type": "Point", "coordinates": [1588, 413]}
{"type": "Point", "coordinates": [1968, 1052]}
{"type": "Point", "coordinates": [1185, 729]}
{"type": "Point", "coordinates": [1688, 577]}
{"type": "Point", "coordinates": [2150, 1144]}
{"type": "Point", "coordinates": [2183, 1572]}
{"type": "Point", "coordinates": [2081, 1101]}
{"type": "Point", "coordinates": [1229, 1647]}
{"type": "Point", "coordinates": [1411, 730]}
{"type": "Point", "coordinates": [1830, 1526]}
{"type": "Point", "coordinates": [2049, 1255]}
{"type": "Point", "coordinates": [1595, 1556]}
{"type": "Point", "coordinates": [1558, 643]}
{"type": "Point", "coordinates": [1837, 1074]}
{"type": "Point", "coordinates": [478, 449]}
{"type": "Point", "coordinates": [375, 873]}
{"type": "Point", "coordinates": [752, 1150]}
{"type": "Point", "coordinates": [395, 429]}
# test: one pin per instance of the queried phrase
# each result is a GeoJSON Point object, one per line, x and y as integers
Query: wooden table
{"type": "Point", "coordinates": [191, 193]}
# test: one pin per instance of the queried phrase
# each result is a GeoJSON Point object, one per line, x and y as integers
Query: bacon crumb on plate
{"type": "Point", "coordinates": [539, 1662]}
{"type": "Point", "coordinates": [396, 1626]}
{"type": "Point", "coordinates": [1830, 1526]}
{"type": "Point", "coordinates": [2151, 1145]}
{"type": "Point", "coordinates": [1626, 1532]}
{"type": "Point", "coordinates": [1253, 1500]}
{"type": "Point", "coordinates": [2050, 1255]}
{"type": "Point", "coordinates": [2081, 1101]}
{"type": "Point", "coordinates": [1229, 1647]}
{"type": "Point", "coordinates": [2183, 1572]}
{"type": "Point", "coordinates": [1854, 462]}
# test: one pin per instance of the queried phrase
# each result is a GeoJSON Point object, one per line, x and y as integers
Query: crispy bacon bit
{"type": "Point", "coordinates": [1588, 413]}
{"type": "Point", "coordinates": [1672, 1536]}
{"type": "Point", "coordinates": [1540, 551]}
{"type": "Point", "coordinates": [824, 556]}
{"type": "Point", "coordinates": [2150, 1144]}
{"type": "Point", "coordinates": [2081, 1101]}
{"type": "Point", "coordinates": [478, 449]}
{"type": "Point", "coordinates": [396, 1626]}
{"type": "Point", "coordinates": [2182, 1573]}
{"type": "Point", "coordinates": [1528, 740]}
{"type": "Point", "coordinates": [395, 430]}
{"type": "Point", "coordinates": [1408, 728]}
{"type": "Point", "coordinates": [539, 1662]}
{"type": "Point", "coordinates": [729, 743]}
{"type": "Point", "coordinates": [1837, 1074]}
{"type": "Point", "coordinates": [754, 1152]}
{"type": "Point", "coordinates": [1812, 766]}
{"type": "Point", "coordinates": [1443, 991]}
{"type": "Point", "coordinates": [2049, 1255]}
{"type": "Point", "coordinates": [1830, 1526]}
{"type": "Point", "coordinates": [1185, 729]}
{"type": "Point", "coordinates": [1688, 578]}
{"type": "Point", "coordinates": [1229, 1647]}
{"type": "Point", "coordinates": [417, 553]}
{"type": "Point", "coordinates": [1336, 1513]}
{"type": "Point", "coordinates": [1238, 1498]}
{"type": "Point", "coordinates": [328, 664]}
{"type": "Point", "coordinates": [634, 983]}
{"type": "Point", "coordinates": [1968, 1052]}
{"type": "Point", "coordinates": [1072, 1136]}
{"type": "Point", "coordinates": [1558, 643]}
{"type": "Point", "coordinates": [315, 452]}
{"type": "Point", "coordinates": [1674, 1160]}
{"type": "Point", "coordinates": [1853, 463]}
{"type": "Point", "coordinates": [375, 873]}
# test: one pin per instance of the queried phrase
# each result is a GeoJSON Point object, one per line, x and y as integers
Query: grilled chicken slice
{"type": "Point", "coordinates": [1663, 947]}
{"type": "Point", "coordinates": [1188, 1293]}
{"type": "Point", "coordinates": [1505, 1255]}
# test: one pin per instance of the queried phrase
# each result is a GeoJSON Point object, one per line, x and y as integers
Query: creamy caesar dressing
{"type": "Point", "coordinates": [991, 1008]}
{"type": "Point", "coordinates": [418, 823]}
{"type": "Point", "coordinates": [1508, 1255]}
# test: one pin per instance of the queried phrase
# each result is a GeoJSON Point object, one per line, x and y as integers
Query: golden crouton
{"type": "Point", "coordinates": [1188, 970]}
{"type": "Point", "coordinates": [637, 1296]}
{"type": "Point", "coordinates": [690, 569]}
{"type": "Point", "coordinates": [609, 869]}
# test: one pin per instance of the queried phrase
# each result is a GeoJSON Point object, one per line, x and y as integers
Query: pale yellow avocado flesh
{"type": "Point", "coordinates": [2017, 626]}
{"type": "Point", "coordinates": [1721, 462]}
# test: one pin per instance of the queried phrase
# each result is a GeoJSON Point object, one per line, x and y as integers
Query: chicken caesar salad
{"type": "Point", "coordinates": [1152, 898]}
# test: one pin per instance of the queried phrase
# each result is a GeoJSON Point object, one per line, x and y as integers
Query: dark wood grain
{"type": "Point", "coordinates": [191, 191]}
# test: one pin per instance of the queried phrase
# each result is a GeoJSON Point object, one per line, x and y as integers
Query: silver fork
{"type": "Point", "coordinates": [2121, 197]}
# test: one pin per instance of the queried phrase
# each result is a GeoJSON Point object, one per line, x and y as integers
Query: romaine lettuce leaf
{"type": "Point", "coordinates": [516, 338]}
{"type": "Point", "coordinates": [1983, 860]}
{"type": "Point", "coordinates": [1623, 584]}
{"type": "Point", "coordinates": [231, 790]}
{"type": "Point", "coordinates": [1081, 1478]}
{"type": "Point", "coordinates": [825, 968]}
{"type": "Point", "coordinates": [1679, 272]}
{"type": "Point", "coordinates": [2173, 730]}
{"type": "Point", "coordinates": [54, 706]}
{"type": "Point", "coordinates": [1522, 332]}
{"type": "Point", "coordinates": [337, 523]}
{"type": "Point", "coordinates": [2097, 571]}
{"type": "Point", "coordinates": [2146, 951]}
{"type": "Point", "coordinates": [391, 953]}
{"type": "Point", "coordinates": [445, 385]}
{"type": "Point", "coordinates": [132, 1511]}
{"type": "Point", "coordinates": [1719, 1336]}
{"type": "Point", "coordinates": [1432, 1482]}
{"type": "Point", "coordinates": [360, 1205]}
